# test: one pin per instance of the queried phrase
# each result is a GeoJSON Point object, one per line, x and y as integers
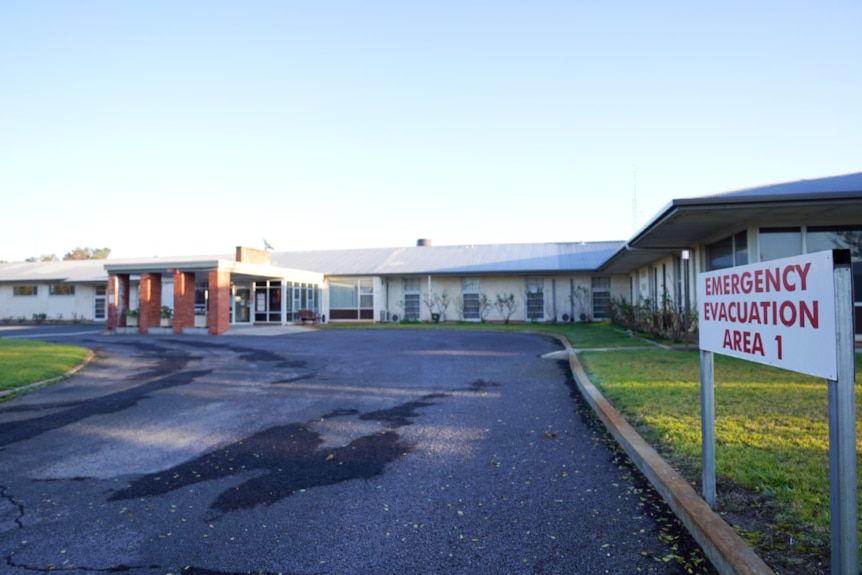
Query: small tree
{"type": "Point", "coordinates": [428, 300]}
{"type": "Point", "coordinates": [442, 302]}
{"type": "Point", "coordinates": [580, 298]}
{"type": "Point", "coordinates": [458, 302]}
{"type": "Point", "coordinates": [437, 303]}
{"type": "Point", "coordinates": [506, 305]}
{"type": "Point", "coordinates": [485, 306]}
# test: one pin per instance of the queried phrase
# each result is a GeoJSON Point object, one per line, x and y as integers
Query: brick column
{"type": "Point", "coordinates": [151, 301]}
{"type": "Point", "coordinates": [118, 300]}
{"type": "Point", "coordinates": [219, 302]}
{"type": "Point", "coordinates": [184, 301]}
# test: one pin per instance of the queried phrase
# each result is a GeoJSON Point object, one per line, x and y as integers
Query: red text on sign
{"type": "Point", "coordinates": [743, 341]}
{"type": "Point", "coordinates": [787, 313]}
{"type": "Point", "coordinates": [789, 279]}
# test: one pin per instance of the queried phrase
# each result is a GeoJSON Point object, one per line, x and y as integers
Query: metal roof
{"type": "Point", "coordinates": [817, 188]}
{"type": "Point", "coordinates": [460, 260]}
{"type": "Point", "coordinates": [419, 260]}
{"type": "Point", "coordinates": [70, 271]}
{"type": "Point", "coordinates": [685, 222]}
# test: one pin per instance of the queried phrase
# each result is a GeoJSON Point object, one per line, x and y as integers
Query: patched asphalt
{"type": "Point", "coordinates": [321, 452]}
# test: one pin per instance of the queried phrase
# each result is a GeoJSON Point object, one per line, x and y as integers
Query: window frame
{"type": "Point", "coordinates": [25, 290]}
{"type": "Point", "coordinates": [600, 288]}
{"type": "Point", "coordinates": [471, 299]}
{"type": "Point", "coordinates": [61, 289]}
{"type": "Point", "coordinates": [535, 298]}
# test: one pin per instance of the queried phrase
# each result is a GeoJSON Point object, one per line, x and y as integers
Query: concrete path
{"type": "Point", "coordinates": [354, 451]}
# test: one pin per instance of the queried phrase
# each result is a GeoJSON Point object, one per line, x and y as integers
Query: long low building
{"type": "Point", "coordinates": [542, 282]}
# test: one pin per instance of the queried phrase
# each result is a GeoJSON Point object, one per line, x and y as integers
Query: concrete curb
{"type": "Point", "coordinates": [725, 549]}
{"type": "Point", "coordinates": [69, 373]}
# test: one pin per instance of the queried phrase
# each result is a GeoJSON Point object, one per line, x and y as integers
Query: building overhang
{"type": "Point", "coordinates": [236, 269]}
{"type": "Point", "coordinates": [686, 223]}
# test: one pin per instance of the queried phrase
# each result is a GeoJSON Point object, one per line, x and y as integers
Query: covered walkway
{"type": "Point", "coordinates": [208, 293]}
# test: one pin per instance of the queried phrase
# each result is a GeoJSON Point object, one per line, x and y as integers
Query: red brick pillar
{"type": "Point", "coordinates": [118, 300]}
{"type": "Point", "coordinates": [151, 301]}
{"type": "Point", "coordinates": [184, 301]}
{"type": "Point", "coordinates": [219, 302]}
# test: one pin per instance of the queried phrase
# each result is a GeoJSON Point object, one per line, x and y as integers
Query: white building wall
{"type": "Point", "coordinates": [557, 290]}
{"type": "Point", "coordinates": [79, 306]}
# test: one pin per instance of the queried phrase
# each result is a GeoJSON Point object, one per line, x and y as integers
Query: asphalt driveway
{"type": "Point", "coordinates": [333, 451]}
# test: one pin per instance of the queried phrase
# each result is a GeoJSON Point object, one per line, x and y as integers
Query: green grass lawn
{"type": "Point", "coordinates": [771, 428]}
{"type": "Point", "coordinates": [24, 361]}
{"type": "Point", "coordinates": [581, 335]}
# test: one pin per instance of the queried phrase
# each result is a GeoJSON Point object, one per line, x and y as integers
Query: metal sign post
{"type": "Point", "coordinates": [707, 424]}
{"type": "Point", "coordinates": [842, 428]}
{"type": "Point", "coordinates": [797, 314]}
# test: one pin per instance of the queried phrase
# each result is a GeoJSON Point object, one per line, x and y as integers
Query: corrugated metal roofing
{"type": "Point", "coordinates": [847, 183]}
{"type": "Point", "coordinates": [72, 271]}
{"type": "Point", "coordinates": [474, 259]}
{"type": "Point", "coordinates": [477, 259]}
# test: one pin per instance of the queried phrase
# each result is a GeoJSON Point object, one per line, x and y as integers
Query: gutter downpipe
{"type": "Point", "coordinates": [554, 297]}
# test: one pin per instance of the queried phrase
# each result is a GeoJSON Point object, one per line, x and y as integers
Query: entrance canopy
{"type": "Point", "coordinates": [217, 273]}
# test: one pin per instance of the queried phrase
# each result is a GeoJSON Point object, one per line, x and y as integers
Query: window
{"type": "Point", "coordinates": [267, 301]}
{"type": "Point", "coordinates": [412, 302]}
{"type": "Point", "coordinates": [740, 249]}
{"type": "Point", "coordinates": [729, 252]}
{"type": "Point", "coordinates": [471, 298]}
{"type": "Point", "coordinates": [201, 291]}
{"type": "Point", "coordinates": [601, 297]}
{"type": "Point", "coordinates": [535, 298]}
{"type": "Point", "coordinates": [366, 294]}
{"type": "Point", "coordinates": [61, 289]}
{"type": "Point", "coordinates": [351, 299]}
{"type": "Point", "coordinates": [720, 254]}
{"type": "Point", "coordinates": [300, 296]}
{"type": "Point", "coordinates": [820, 238]}
{"type": "Point", "coordinates": [24, 290]}
{"type": "Point", "coordinates": [780, 243]}
{"type": "Point", "coordinates": [342, 295]}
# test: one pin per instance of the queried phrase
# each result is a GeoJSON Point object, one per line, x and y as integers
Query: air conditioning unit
{"type": "Point", "coordinates": [384, 316]}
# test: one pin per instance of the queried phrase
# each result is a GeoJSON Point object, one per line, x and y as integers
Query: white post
{"type": "Point", "coordinates": [842, 427]}
{"type": "Point", "coordinates": [707, 424]}
{"type": "Point", "coordinates": [685, 297]}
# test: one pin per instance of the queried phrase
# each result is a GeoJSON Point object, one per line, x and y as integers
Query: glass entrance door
{"type": "Point", "coordinates": [99, 307]}
{"type": "Point", "coordinates": [241, 308]}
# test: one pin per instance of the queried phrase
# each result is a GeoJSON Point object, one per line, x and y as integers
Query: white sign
{"type": "Point", "coordinates": [780, 312]}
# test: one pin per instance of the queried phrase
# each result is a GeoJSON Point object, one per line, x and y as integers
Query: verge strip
{"type": "Point", "coordinates": [720, 543]}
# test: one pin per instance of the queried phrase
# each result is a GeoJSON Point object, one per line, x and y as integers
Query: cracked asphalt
{"type": "Point", "coordinates": [323, 452]}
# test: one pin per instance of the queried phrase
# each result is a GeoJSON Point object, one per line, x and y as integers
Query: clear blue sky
{"type": "Point", "coordinates": [165, 128]}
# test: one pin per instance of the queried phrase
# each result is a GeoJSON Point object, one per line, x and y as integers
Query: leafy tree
{"type": "Point", "coordinates": [580, 298]}
{"type": "Point", "coordinates": [485, 307]}
{"type": "Point", "coordinates": [506, 305]}
{"type": "Point", "coordinates": [88, 254]}
{"type": "Point", "coordinates": [437, 303]}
